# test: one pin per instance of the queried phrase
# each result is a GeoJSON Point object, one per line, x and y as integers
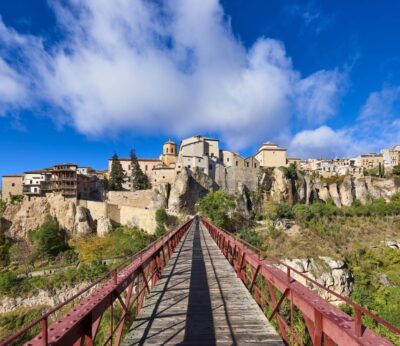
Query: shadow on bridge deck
{"type": "Point", "coordinates": [200, 301]}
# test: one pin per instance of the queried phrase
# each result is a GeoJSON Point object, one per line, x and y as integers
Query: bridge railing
{"type": "Point", "coordinates": [128, 283]}
{"type": "Point", "coordinates": [271, 287]}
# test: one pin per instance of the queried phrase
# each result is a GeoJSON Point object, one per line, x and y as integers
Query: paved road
{"type": "Point", "coordinates": [200, 301]}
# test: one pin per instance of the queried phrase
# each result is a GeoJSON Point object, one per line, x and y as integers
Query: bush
{"type": "Point", "coordinates": [3, 206]}
{"type": "Point", "coordinates": [251, 237]}
{"type": "Point", "coordinates": [396, 170]}
{"type": "Point", "coordinates": [16, 198]}
{"type": "Point", "coordinates": [49, 238]}
{"type": "Point", "coordinates": [217, 206]}
{"type": "Point", "coordinates": [302, 213]}
{"type": "Point", "coordinates": [8, 282]}
{"type": "Point", "coordinates": [161, 216]}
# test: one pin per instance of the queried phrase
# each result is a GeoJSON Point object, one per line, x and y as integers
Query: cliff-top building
{"type": "Point", "coordinates": [270, 155]}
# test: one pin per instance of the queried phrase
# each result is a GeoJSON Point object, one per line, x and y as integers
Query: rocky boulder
{"type": "Point", "coordinates": [104, 226]}
{"type": "Point", "coordinates": [188, 188]}
{"type": "Point", "coordinates": [330, 273]}
{"type": "Point", "coordinates": [159, 199]}
{"type": "Point", "coordinates": [82, 222]}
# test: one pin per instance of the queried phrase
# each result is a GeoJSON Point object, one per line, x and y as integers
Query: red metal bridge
{"type": "Point", "coordinates": [199, 285]}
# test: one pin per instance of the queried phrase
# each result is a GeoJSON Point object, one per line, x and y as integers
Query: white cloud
{"type": "Point", "coordinates": [380, 105]}
{"type": "Point", "coordinates": [378, 127]}
{"type": "Point", "coordinates": [174, 68]}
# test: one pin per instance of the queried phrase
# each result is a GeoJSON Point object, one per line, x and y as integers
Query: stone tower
{"type": "Point", "coordinates": [169, 155]}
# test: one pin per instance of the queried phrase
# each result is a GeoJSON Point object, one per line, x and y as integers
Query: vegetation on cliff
{"type": "Point", "coordinates": [116, 175]}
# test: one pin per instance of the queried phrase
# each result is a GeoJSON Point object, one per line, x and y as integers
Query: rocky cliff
{"type": "Point", "coordinates": [330, 273]}
{"type": "Point", "coordinates": [27, 215]}
{"type": "Point", "coordinates": [341, 190]}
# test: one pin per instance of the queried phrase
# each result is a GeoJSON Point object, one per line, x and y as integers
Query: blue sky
{"type": "Point", "coordinates": [82, 79]}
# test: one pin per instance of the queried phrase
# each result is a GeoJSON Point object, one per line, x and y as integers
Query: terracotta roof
{"type": "Point", "coordinates": [128, 159]}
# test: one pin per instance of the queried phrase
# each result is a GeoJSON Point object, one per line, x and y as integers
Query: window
{"type": "Point", "coordinates": [247, 164]}
{"type": "Point", "coordinates": [188, 166]}
{"type": "Point", "coordinates": [255, 165]}
{"type": "Point", "coordinates": [13, 184]}
{"type": "Point", "coordinates": [212, 154]}
{"type": "Point", "coordinates": [163, 176]}
{"type": "Point", "coordinates": [237, 163]}
{"type": "Point", "coordinates": [227, 159]}
{"type": "Point", "coordinates": [172, 150]}
{"type": "Point", "coordinates": [145, 167]}
{"type": "Point", "coordinates": [166, 150]}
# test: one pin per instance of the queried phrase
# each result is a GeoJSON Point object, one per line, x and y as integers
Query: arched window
{"type": "Point", "coordinates": [166, 150]}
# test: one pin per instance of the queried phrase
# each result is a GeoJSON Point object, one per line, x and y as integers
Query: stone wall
{"type": "Point", "coordinates": [136, 199]}
{"type": "Point", "coordinates": [122, 214]}
{"type": "Point", "coordinates": [229, 178]}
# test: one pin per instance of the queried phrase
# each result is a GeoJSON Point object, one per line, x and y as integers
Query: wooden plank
{"type": "Point", "coordinates": [199, 300]}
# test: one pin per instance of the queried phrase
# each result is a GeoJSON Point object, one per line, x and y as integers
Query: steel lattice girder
{"type": "Point", "coordinates": [82, 320]}
{"type": "Point", "coordinates": [336, 324]}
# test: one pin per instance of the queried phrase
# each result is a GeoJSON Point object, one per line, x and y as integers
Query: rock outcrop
{"type": "Point", "coordinates": [43, 298]}
{"type": "Point", "coordinates": [330, 273]}
{"type": "Point", "coordinates": [160, 196]}
{"type": "Point", "coordinates": [188, 188]}
{"type": "Point", "coordinates": [21, 217]}
{"type": "Point", "coordinates": [104, 226]}
{"type": "Point", "coordinates": [342, 190]}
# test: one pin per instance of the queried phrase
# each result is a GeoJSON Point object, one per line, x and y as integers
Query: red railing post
{"type": "Point", "coordinates": [358, 322]}
{"type": "Point", "coordinates": [44, 331]}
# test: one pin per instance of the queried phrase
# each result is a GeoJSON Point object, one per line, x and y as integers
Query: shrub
{"type": "Point", "coordinates": [8, 281]}
{"type": "Point", "coordinates": [49, 238]}
{"type": "Point", "coordinates": [217, 206]}
{"type": "Point", "coordinates": [16, 198]}
{"type": "Point", "coordinates": [396, 170]}
{"type": "Point", "coordinates": [3, 206]}
{"type": "Point", "coordinates": [302, 213]}
{"type": "Point", "coordinates": [250, 236]}
{"type": "Point", "coordinates": [161, 216]}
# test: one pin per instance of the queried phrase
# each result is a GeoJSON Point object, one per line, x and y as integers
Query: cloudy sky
{"type": "Point", "coordinates": [80, 79]}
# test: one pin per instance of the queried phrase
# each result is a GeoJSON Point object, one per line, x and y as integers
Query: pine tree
{"type": "Point", "coordinates": [117, 175]}
{"type": "Point", "coordinates": [140, 181]}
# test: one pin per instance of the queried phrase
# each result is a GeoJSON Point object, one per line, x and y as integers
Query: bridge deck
{"type": "Point", "coordinates": [199, 300]}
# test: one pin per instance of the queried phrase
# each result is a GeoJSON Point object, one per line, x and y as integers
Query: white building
{"type": "Point", "coordinates": [36, 182]}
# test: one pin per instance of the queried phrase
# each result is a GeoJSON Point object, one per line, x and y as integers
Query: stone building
{"type": "Point", "coordinates": [391, 156]}
{"type": "Point", "coordinates": [270, 155]}
{"type": "Point", "coordinates": [11, 185]}
{"type": "Point", "coordinates": [37, 183]}
{"type": "Point", "coordinates": [161, 170]}
{"type": "Point", "coordinates": [369, 161]}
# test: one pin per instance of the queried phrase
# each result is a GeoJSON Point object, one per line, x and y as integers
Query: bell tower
{"type": "Point", "coordinates": [169, 155]}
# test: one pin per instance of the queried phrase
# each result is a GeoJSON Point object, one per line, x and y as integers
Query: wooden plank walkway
{"type": "Point", "coordinates": [200, 301]}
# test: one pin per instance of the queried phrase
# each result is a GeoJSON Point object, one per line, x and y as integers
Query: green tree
{"type": "Point", "coordinates": [116, 175]}
{"type": "Point", "coordinates": [140, 181]}
{"type": "Point", "coordinates": [217, 206]}
{"type": "Point", "coordinates": [4, 249]}
{"type": "Point", "coordinates": [396, 170]}
{"type": "Point", "coordinates": [49, 238]}
{"type": "Point", "coordinates": [161, 220]}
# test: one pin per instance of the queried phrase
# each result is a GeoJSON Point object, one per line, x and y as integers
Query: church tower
{"type": "Point", "coordinates": [169, 155]}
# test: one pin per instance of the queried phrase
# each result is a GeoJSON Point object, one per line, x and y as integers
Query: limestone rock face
{"type": "Point", "coordinates": [281, 190]}
{"type": "Point", "coordinates": [243, 200]}
{"type": "Point", "coordinates": [21, 217]}
{"type": "Point", "coordinates": [43, 298]}
{"type": "Point", "coordinates": [328, 272]}
{"type": "Point", "coordinates": [82, 226]}
{"type": "Point", "coordinates": [104, 226]}
{"type": "Point", "coordinates": [346, 191]}
{"type": "Point", "coordinates": [309, 188]}
{"type": "Point", "coordinates": [160, 196]}
{"type": "Point", "coordinates": [188, 188]}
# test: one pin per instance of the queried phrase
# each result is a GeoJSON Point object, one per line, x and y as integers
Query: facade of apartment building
{"type": "Point", "coordinates": [11, 185]}
{"type": "Point", "coordinates": [369, 161]}
{"type": "Point", "coordinates": [37, 183]}
{"type": "Point", "coordinates": [391, 156]}
{"type": "Point", "coordinates": [270, 155]}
